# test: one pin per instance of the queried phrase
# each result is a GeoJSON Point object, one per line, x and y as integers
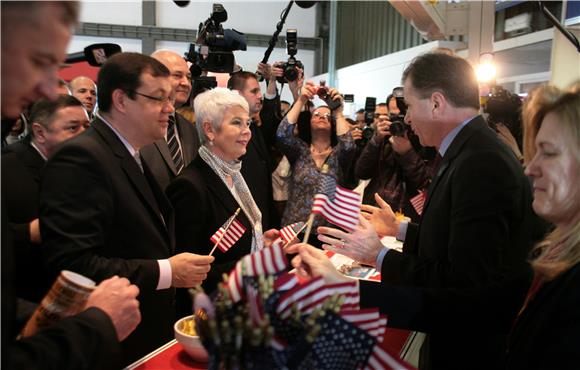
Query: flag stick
{"type": "Point", "coordinates": [298, 232]}
{"type": "Point", "coordinates": [225, 230]}
{"type": "Point", "coordinates": [308, 228]}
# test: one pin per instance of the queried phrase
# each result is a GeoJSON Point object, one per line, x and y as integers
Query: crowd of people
{"type": "Point", "coordinates": [111, 182]}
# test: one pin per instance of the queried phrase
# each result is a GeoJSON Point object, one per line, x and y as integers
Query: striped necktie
{"type": "Point", "coordinates": [173, 145]}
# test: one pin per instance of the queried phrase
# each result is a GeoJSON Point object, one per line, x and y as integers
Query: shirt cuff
{"type": "Point", "coordinates": [164, 274]}
{"type": "Point", "coordinates": [402, 232]}
{"type": "Point", "coordinates": [380, 258]}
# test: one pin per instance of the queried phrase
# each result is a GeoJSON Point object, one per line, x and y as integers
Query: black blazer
{"type": "Point", "coordinates": [202, 204]}
{"type": "Point", "coordinates": [547, 332]}
{"type": "Point", "coordinates": [100, 216]}
{"type": "Point", "coordinates": [158, 157]}
{"type": "Point", "coordinates": [78, 342]}
{"type": "Point", "coordinates": [474, 233]}
{"type": "Point", "coordinates": [257, 171]}
{"type": "Point", "coordinates": [21, 169]}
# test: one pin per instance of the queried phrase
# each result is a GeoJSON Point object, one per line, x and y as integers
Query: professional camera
{"type": "Point", "coordinates": [290, 68]}
{"type": "Point", "coordinates": [214, 46]}
{"type": "Point", "coordinates": [398, 126]}
{"type": "Point", "coordinates": [323, 94]}
{"type": "Point", "coordinates": [368, 131]}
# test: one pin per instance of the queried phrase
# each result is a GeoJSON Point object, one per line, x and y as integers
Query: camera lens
{"type": "Point", "coordinates": [291, 73]}
{"type": "Point", "coordinates": [397, 128]}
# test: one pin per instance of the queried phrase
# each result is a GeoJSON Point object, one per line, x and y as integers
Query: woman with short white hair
{"type": "Point", "coordinates": [210, 190]}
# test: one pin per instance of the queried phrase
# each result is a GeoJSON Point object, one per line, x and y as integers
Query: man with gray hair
{"type": "Point", "coordinates": [34, 40]}
{"type": "Point", "coordinates": [168, 156]}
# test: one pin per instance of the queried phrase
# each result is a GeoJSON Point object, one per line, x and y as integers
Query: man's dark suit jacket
{"type": "Point", "coordinates": [21, 168]}
{"type": "Point", "coordinates": [257, 166]}
{"type": "Point", "coordinates": [158, 157]}
{"type": "Point", "coordinates": [202, 204]}
{"type": "Point", "coordinates": [84, 341]}
{"type": "Point", "coordinates": [100, 216]}
{"type": "Point", "coordinates": [474, 233]}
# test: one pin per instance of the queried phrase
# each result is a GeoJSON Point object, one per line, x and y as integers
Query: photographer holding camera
{"type": "Point", "coordinates": [392, 162]}
{"type": "Point", "coordinates": [323, 148]}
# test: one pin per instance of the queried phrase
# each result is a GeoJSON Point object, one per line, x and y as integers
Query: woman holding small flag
{"type": "Point", "coordinates": [214, 209]}
{"type": "Point", "coordinates": [323, 147]}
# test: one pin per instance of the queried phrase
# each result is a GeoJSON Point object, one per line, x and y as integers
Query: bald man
{"type": "Point", "coordinates": [85, 90]}
{"type": "Point", "coordinates": [167, 157]}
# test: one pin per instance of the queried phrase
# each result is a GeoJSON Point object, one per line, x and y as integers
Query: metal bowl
{"type": "Point", "coordinates": [191, 343]}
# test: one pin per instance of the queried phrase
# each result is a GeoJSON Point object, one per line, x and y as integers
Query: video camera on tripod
{"type": "Point", "coordinates": [214, 46]}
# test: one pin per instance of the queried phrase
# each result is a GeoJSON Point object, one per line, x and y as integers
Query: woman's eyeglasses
{"type": "Point", "coordinates": [326, 116]}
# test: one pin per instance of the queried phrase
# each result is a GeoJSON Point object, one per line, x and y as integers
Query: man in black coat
{"type": "Point", "coordinates": [101, 211]}
{"type": "Point", "coordinates": [474, 231]}
{"type": "Point", "coordinates": [53, 122]}
{"type": "Point", "coordinates": [89, 340]}
{"type": "Point", "coordinates": [256, 163]}
{"type": "Point", "coordinates": [168, 156]}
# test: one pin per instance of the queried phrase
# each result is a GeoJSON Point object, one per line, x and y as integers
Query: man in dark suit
{"type": "Point", "coordinates": [89, 340]}
{"type": "Point", "coordinates": [101, 211]}
{"type": "Point", "coordinates": [53, 122]}
{"type": "Point", "coordinates": [168, 156]}
{"type": "Point", "coordinates": [256, 163]}
{"type": "Point", "coordinates": [474, 231]}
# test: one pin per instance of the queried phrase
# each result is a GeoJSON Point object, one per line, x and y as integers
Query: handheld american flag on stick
{"type": "Point", "coordinates": [289, 233]}
{"type": "Point", "coordinates": [418, 201]}
{"type": "Point", "coordinates": [227, 235]}
{"type": "Point", "coordinates": [337, 205]}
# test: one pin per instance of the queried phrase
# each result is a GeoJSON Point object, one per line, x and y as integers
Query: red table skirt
{"type": "Point", "coordinates": [171, 356]}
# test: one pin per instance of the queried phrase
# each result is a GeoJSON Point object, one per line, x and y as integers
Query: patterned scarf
{"type": "Point", "coordinates": [242, 194]}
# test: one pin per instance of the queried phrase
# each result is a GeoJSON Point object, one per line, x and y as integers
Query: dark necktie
{"type": "Point", "coordinates": [173, 145]}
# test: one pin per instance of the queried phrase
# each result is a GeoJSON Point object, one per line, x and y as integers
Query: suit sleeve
{"type": "Point", "coordinates": [193, 224]}
{"type": "Point", "coordinates": [84, 341]}
{"type": "Point", "coordinates": [485, 199]}
{"type": "Point", "coordinates": [271, 117]}
{"type": "Point", "coordinates": [76, 214]}
{"type": "Point", "coordinates": [489, 309]}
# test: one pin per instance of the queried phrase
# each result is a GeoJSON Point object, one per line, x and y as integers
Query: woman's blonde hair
{"type": "Point", "coordinates": [560, 250]}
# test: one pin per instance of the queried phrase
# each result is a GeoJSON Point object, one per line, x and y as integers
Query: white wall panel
{"type": "Point", "coordinates": [376, 77]}
{"type": "Point", "coordinates": [112, 12]}
{"type": "Point", "coordinates": [258, 17]}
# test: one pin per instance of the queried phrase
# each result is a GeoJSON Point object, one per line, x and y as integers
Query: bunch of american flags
{"type": "Point", "coordinates": [291, 323]}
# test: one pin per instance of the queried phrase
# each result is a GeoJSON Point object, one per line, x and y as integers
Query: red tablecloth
{"type": "Point", "coordinates": [171, 356]}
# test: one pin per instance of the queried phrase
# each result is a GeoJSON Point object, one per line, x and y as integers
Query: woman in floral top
{"type": "Point", "coordinates": [323, 148]}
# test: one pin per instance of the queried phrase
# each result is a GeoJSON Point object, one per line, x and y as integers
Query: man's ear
{"type": "Point", "coordinates": [38, 131]}
{"type": "Point", "coordinates": [438, 104]}
{"type": "Point", "coordinates": [119, 100]}
{"type": "Point", "coordinates": [208, 130]}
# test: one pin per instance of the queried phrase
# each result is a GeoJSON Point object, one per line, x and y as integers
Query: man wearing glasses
{"type": "Point", "coordinates": [102, 213]}
{"type": "Point", "coordinates": [168, 156]}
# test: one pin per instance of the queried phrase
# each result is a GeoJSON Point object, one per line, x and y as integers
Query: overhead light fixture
{"type": "Point", "coordinates": [486, 70]}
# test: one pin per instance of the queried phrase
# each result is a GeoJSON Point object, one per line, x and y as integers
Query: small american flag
{"type": "Point", "coordinates": [418, 201]}
{"type": "Point", "coordinates": [267, 261]}
{"type": "Point", "coordinates": [368, 319]}
{"type": "Point", "coordinates": [229, 233]}
{"type": "Point", "coordinates": [288, 233]}
{"type": "Point", "coordinates": [382, 358]}
{"type": "Point", "coordinates": [311, 295]}
{"type": "Point", "coordinates": [337, 205]}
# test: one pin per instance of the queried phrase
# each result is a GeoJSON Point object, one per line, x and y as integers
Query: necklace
{"type": "Point", "coordinates": [314, 150]}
